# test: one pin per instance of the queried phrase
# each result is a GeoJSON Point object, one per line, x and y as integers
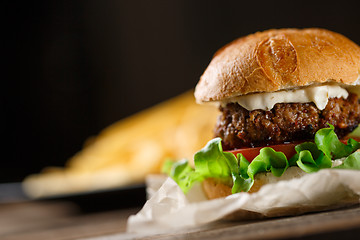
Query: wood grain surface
{"type": "Point", "coordinates": [344, 223]}
{"type": "Point", "coordinates": [63, 220]}
{"type": "Point", "coordinates": [58, 220]}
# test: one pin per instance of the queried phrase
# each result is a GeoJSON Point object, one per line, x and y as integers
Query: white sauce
{"type": "Point", "coordinates": [337, 162]}
{"type": "Point", "coordinates": [317, 94]}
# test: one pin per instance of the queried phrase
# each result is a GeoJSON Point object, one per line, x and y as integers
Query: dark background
{"type": "Point", "coordinates": [71, 68]}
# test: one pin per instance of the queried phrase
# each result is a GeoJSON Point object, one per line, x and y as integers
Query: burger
{"type": "Point", "coordinates": [288, 99]}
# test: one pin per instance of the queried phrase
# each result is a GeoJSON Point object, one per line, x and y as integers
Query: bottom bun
{"type": "Point", "coordinates": [214, 188]}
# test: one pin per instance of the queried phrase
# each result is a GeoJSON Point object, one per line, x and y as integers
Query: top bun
{"type": "Point", "coordinates": [279, 59]}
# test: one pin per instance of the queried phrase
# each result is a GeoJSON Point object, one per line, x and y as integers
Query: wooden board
{"type": "Point", "coordinates": [45, 220]}
{"type": "Point", "coordinates": [63, 220]}
{"type": "Point", "coordinates": [336, 224]}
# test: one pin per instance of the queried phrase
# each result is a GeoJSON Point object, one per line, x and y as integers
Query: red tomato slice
{"type": "Point", "coordinates": [287, 148]}
{"type": "Point", "coordinates": [346, 139]}
{"type": "Point", "coordinates": [250, 153]}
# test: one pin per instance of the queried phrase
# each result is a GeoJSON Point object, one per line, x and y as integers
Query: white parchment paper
{"type": "Point", "coordinates": [169, 209]}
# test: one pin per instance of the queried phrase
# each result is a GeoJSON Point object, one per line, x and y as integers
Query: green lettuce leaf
{"type": "Point", "coordinates": [233, 164]}
{"type": "Point", "coordinates": [309, 158]}
{"type": "Point", "coordinates": [243, 181]}
{"type": "Point", "coordinates": [213, 162]}
{"type": "Point", "coordinates": [182, 173]}
{"type": "Point", "coordinates": [167, 166]}
{"type": "Point", "coordinates": [351, 162]}
{"type": "Point", "coordinates": [268, 160]}
{"type": "Point", "coordinates": [328, 142]}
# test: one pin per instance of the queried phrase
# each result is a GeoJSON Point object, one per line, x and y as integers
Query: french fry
{"type": "Point", "coordinates": [128, 150]}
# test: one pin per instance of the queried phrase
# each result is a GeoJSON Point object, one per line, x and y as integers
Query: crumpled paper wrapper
{"type": "Point", "coordinates": [169, 209]}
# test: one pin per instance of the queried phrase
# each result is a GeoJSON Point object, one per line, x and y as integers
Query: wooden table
{"type": "Point", "coordinates": [58, 220]}
{"type": "Point", "coordinates": [63, 220]}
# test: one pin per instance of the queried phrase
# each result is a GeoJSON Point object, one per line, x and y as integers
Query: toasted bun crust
{"type": "Point", "coordinates": [215, 189]}
{"type": "Point", "coordinates": [279, 59]}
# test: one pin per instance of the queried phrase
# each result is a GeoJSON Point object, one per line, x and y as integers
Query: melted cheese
{"type": "Point", "coordinates": [265, 101]}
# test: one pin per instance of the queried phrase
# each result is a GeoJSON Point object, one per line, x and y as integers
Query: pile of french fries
{"type": "Point", "coordinates": [125, 152]}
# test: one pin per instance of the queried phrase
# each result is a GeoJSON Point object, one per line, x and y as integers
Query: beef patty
{"type": "Point", "coordinates": [285, 122]}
